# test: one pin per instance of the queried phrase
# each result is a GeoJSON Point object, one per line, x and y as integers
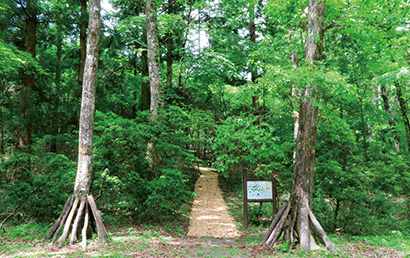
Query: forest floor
{"type": "Point", "coordinates": [213, 233]}
{"type": "Point", "coordinates": [153, 241]}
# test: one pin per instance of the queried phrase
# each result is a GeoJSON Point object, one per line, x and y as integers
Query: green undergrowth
{"type": "Point", "coordinates": [26, 240]}
{"type": "Point", "coordinates": [387, 244]}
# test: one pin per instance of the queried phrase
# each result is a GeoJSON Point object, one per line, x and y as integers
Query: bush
{"type": "Point", "coordinates": [166, 196]}
{"type": "Point", "coordinates": [243, 142]}
{"type": "Point", "coordinates": [355, 195]}
{"type": "Point", "coordinates": [42, 182]}
{"type": "Point", "coordinates": [123, 177]}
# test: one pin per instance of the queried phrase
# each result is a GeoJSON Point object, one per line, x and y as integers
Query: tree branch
{"type": "Point", "coordinates": [331, 26]}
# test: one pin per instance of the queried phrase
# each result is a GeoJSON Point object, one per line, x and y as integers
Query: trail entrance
{"type": "Point", "coordinates": [209, 216]}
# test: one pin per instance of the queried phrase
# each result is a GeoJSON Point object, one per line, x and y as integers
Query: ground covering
{"type": "Point", "coordinates": [174, 240]}
{"type": "Point", "coordinates": [171, 241]}
{"type": "Point", "coordinates": [209, 215]}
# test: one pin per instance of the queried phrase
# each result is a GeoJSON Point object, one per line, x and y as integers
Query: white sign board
{"type": "Point", "coordinates": [259, 190]}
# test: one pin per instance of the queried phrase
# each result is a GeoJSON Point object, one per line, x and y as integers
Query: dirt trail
{"type": "Point", "coordinates": [209, 215]}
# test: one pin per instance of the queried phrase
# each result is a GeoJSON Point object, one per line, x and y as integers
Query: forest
{"type": "Point", "coordinates": [133, 96]}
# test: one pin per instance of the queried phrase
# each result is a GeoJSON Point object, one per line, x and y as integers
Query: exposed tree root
{"type": "Point", "coordinates": [274, 222]}
{"type": "Point", "coordinates": [76, 208]}
{"type": "Point", "coordinates": [326, 239]}
{"type": "Point", "coordinates": [283, 223]}
{"type": "Point", "coordinates": [278, 228]}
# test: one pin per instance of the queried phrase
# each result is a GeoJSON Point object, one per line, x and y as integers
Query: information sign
{"type": "Point", "coordinates": [255, 190]}
{"type": "Point", "coordinates": [259, 190]}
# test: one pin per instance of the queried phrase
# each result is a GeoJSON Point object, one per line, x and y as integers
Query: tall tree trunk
{"type": "Point", "coordinates": [169, 60]}
{"type": "Point", "coordinates": [145, 88]}
{"type": "Point", "coordinates": [302, 189]}
{"type": "Point", "coordinates": [337, 208]}
{"type": "Point", "coordinates": [153, 58]}
{"type": "Point", "coordinates": [404, 111]}
{"type": "Point", "coordinates": [390, 117]}
{"type": "Point", "coordinates": [254, 73]}
{"type": "Point", "coordinates": [82, 199]}
{"type": "Point", "coordinates": [154, 73]}
{"type": "Point", "coordinates": [171, 7]}
{"type": "Point", "coordinates": [307, 131]}
{"type": "Point", "coordinates": [364, 130]}
{"type": "Point", "coordinates": [83, 181]}
{"type": "Point", "coordinates": [82, 57]}
{"type": "Point", "coordinates": [295, 95]}
{"type": "Point", "coordinates": [27, 81]}
{"type": "Point", "coordinates": [83, 38]}
{"type": "Point", "coordinates": [57, 79]}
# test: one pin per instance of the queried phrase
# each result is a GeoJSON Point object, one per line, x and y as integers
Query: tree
{"type": "Point", "coordinates": [253, 70]}
{"type": "Point", "coordinates": [82, 195]}
{"type": "Point", "coordinates": [27, 81]}
{"type": "Point", "coordinates": [145, 87]}
{"type": "Point", "coordinates": [83, 36]}
{"type": "Point", "coordinates": [307, 131]}
{"type": "Point", "coordinates": [392, 123]}
{"type": "Point", "coordinates": [155, 82]}
{"type": "Point", "coordinates": [153, 58]}
{"type": "Point", "coordinates": [302, 189]}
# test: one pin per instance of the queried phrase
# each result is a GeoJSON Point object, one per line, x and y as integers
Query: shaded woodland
{"type": "Point", "coordinates": [314, 92]}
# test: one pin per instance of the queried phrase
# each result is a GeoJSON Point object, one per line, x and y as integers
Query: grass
{"type": "Point", "coordinates": [394, 244]}
{"type": "Point", "coordinates": [170, 240]}
{"type": "Point", "coordinates": [154, 241]}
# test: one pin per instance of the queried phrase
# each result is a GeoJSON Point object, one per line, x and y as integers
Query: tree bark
{"type": "Point", "coordinates": [102, 232]}
{"type": "Point", "coordinates": [57, 81]}
{"type": "Point", "coordinates": [84, 231]}
{"type": "Point", "coordinates": [73, 235]}
{"type": "Point", "coordinates": [302, 189]}
{"type": "Point", "coordinates": [308, 120]}
{"type": "Point", "coordinates": [169, 60]}
{"type": "Point", "coordinates": [254, 73]}
{"type": "Point", "coordinates": [63, 237]}
{"type": "Point", "coordinates": [145, 87]}
{"type": "Point", "coordinates": [404, 111]}
{"type": "Point", "coordinates": [295, 94]}
{"type": "Point", "coordinates": [61, 218]}
{"type": "Point", "coordinates": [390, 118]}
{"type": "Point", "coordinates": [84, 169]}
{"type": "Point", "coordinates": [153, 58]}
{"type": "Point", "coordinates": [274, 222]}
{"type": "Point", "coordinates": [27, 80]}
{"type": "Point", "coordinates": [278, 228]}
{"type": "Point", "coordinates": [154, 72]}
{"type": "Point", "coordinates": [308, 117]}
{"type": "Point", "coordinates": [326, 239]}
{"type": "Point", "coordinates": [83, 38]}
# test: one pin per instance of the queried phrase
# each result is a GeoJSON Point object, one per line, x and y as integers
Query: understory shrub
{"type": "Point", "coordinates": [253, 144]}
{"type": "Point", "coordinates": [40, 182]}
{"type": "Point", "coordinates": [123, 178]}
{"type": "Point", "coordinates": [166, 195]}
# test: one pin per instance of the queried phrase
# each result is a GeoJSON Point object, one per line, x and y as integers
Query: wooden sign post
{"type": "Point", "coordinates": [255, 190]}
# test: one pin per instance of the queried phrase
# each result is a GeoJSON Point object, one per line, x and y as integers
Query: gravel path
{"type": "Point", "coordinates": [209, 215]}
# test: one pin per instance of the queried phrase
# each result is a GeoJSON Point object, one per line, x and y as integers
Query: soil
{"type": "Point", "coordinates": [209, 216]}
